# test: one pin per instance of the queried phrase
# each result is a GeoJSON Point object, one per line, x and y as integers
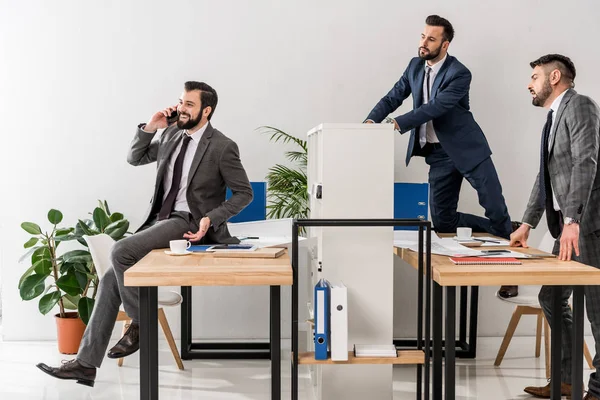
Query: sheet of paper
{"type": "Point", "coordinates": [447, 247]}
{"type": "Point", "coordinates": [501, 242]}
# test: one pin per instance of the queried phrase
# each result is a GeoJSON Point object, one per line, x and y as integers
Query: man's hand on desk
{"type": "Point", "coordinates": [204, 225]}
{"type": "Point", "coordinates": [569, 240]}
{"type": "Point", "coordinates": [519, 237]}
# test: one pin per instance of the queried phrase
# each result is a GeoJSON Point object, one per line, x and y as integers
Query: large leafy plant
{"type": "Point", "coordinates": [73, 277]}
{"type": "Point", "coordinates": [59, 279]}
{"type": "Point", "coordinates": [286, 186]}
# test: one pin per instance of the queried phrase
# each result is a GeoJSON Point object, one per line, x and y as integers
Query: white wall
{"type": "Point", "coordinates": [77, 77]}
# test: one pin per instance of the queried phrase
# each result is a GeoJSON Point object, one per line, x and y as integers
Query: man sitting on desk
{"type": "Point", "coordinates": [444, 131]}
{"type": "Point", "coordinates": [195, 165]}
{"type": "Point", "coordinates": [566, 189]}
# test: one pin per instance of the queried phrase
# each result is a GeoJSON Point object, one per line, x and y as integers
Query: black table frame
{"type": "Point", "coordinates": [149, 342]}
{"type": "Point", "coordinates": [424, 268]}
{"type": "Point", "coordinates": [556, 327]}
{"type": "Point", "coordinates": [468, 349]}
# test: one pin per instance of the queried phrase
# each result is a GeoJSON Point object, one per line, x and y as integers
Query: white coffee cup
{"type": "Point", "coordinates": [179, 246]}
{"type": "Point", "coordinates": [464, 233]}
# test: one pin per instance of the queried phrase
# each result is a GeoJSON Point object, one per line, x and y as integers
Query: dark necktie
{"type": "Point", "coordinates": [546, 199]}
{"type": "Point", "coordinates": [544, 183]}
{"type": "Point", "coordinates": [428, 71]}
{"type": "Point", "coordinates": [169, 203]}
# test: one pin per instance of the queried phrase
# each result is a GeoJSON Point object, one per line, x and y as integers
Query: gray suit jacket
{"type": "Point", "coordinates": [573, 164]}
{"type": "Point", "coordinates": [215, 167]}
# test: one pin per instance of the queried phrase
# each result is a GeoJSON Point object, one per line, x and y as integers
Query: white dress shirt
{"type": "Point", "coordinates": [554, 107]}
{"type": "Point", "coordinates": [181, 203]}
{"type": "Point", "coordinates": [426, 131]}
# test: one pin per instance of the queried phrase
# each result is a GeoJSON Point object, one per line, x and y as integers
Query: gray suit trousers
{"type": "Point", "coordinates": [112, 292]}
{"type": "Point", "coordinates": [589, 253]}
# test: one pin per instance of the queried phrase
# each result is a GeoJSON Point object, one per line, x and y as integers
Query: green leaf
{"type": "Point", "coordinates": [25, 275]}
{"type": "Point", "coordinates": [41, 253]}
{"type": "Point", "coordinates": [32, 228]}
{"type": "Point", "coordinates": [55, 217]}
{"type": "Point", "coordinates": [70, 302]}
{"type": "Point", "coordinates": [31, 242]}
{"type": "Point", "coordinates": [43, 266]}
{"type": "Point", "coordinates": [64, 238]}
{"type": "Point", "coordinates": [116, 217]}
{"type": "Point", "coordinates": [69, 284]}
{"type": "Point", "coordinates": [77, 256]}
{"type": "Point", "coordinates": [83, 228]}
{"type": "Point", "coordinates": [117, 229]}
{"type": "Point", "coordinates": [81, 279]}
{"type": "Point", "coordinates": [100, 219]}
{"type": "Point", "coordinates": [32, 286]}
{"type": "Point", "coordinates": [106, 209]}
{"type": "Point", "coordinates": [64, 231]}
{"type": "Point", "coordinates": [85, 307]}
{"type": "Point", "coordinates": [48, 301]}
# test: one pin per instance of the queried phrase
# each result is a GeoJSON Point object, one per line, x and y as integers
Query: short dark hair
{"type": "Point", "coordinates": [436, 20]}
{"type": "Point", "coordinates": [208, 95]}
{"type": "Point", "coordinates": [560, 62]}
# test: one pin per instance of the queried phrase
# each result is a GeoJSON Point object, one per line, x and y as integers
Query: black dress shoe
{"type": "Point", "coordinates": [508, 291]}
{"type": "Point", "coordinates": [71, 370]}
{"type": "Point", "coordinates": [129, 343]}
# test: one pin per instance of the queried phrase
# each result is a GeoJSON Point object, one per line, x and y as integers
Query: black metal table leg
{"type": "Point", "coordinates": [472, 346]}
{"type": "Point", "coordinates": [450, 343]}
{"type": "Point", "coordinates": [577, 352]}
{"type": "Point", "coordinates": [556, 340]}
{"type": "Point", "coordinates": [295, 283]}
{"type": "Point", "coordinates": [215, 350]}
{"type": "Point", "coordinates": [437, 341]}
{"type": "Point", "coordinates": [186, 322]}
{"type": "Point", "coordinates": [420, 313]}
{"type": "Point", "coordinates": [428, 280]}
{"type": "Point", "coordinates": [275, 336]}
{"type": "Point", "coordinates": [148, 343]}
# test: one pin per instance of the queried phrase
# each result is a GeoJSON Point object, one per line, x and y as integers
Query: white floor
{"type": "Point", "coordinates": [250, 380]}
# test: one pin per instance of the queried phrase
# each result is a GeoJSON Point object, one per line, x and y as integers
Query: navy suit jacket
{"type": "Point", "coordinates": [459, 134]}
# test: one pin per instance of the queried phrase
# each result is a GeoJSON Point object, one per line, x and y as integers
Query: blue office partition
{"type": "Point", "coordinates": [411, 200]}
{"type": "Point", "coordinates": [257, 209]}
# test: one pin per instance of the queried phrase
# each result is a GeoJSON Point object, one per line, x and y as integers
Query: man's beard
{"type": "Point", "coordinates": [191, 123]}
{"type": "Point", "coordinates": [540, 98]}
{"type": "Point", "coordinates": [430, 55]}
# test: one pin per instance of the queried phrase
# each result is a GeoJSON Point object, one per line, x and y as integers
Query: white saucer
{"type": "Point", "coordinates": [170, 253]}
{"type": "Point", "coordinates": [464, 239]}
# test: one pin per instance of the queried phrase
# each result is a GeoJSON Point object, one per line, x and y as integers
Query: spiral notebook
{"type": "Point", "coordinates": [484, 260]}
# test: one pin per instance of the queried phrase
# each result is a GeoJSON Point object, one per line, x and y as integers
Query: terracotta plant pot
{"type": "Point", "coordinates": [70, 331]}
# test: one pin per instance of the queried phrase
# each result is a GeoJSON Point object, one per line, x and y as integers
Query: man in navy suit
{"type": "Point", "coordinates": [443, 130]}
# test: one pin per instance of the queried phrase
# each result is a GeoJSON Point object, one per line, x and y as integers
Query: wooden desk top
{"type": "Point", "coordinates": [543, 271]}
{"type": "Point", "coordinates": [202, 269]}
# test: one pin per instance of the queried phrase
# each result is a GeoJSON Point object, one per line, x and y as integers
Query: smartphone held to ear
{"type": "Point", "coordinates": [173, 117]}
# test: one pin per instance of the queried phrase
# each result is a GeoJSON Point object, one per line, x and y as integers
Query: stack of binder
{"type": "Point", "coordinates": [331, 321]}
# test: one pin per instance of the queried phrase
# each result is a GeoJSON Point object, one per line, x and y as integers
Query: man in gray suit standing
{"type": "Point", "coordinates": [195, 165]}
{"type": "Point", "coordinates": [566, 189]}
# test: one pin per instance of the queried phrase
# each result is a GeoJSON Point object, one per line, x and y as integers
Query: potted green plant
{"type": "Point", "coordinates": [58, 279]}
{"type": "Point", "coordinates": [73, 275]}
{"type": "Point", "coordinates": [286, 186]}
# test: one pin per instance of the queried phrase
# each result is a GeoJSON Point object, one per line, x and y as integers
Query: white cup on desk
{"type": "Point", "coordinates": [463, 233]}
{"type": "Point", "coordinates": [179, 246]}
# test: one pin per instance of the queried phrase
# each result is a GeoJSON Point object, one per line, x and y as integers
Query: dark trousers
{"type": "Point", "coordinates": [589, 253]}
{"type": "Point", "coordinates": [444, 187]}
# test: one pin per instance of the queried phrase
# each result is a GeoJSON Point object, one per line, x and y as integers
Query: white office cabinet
{"type": "Point", "coordinates": [351, 176]}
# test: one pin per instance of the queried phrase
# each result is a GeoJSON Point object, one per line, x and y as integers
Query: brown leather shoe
{"type": "Point", "coordinates": [508, 291]}
{"type": "Point", "coordinates": [71, 370]}
{"type": "Point", "coordinates": [589, 396]}
{"type": "Point", "coordinates": [543, 392]}
{"type": "Point", "coordinates": [128, 344]}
